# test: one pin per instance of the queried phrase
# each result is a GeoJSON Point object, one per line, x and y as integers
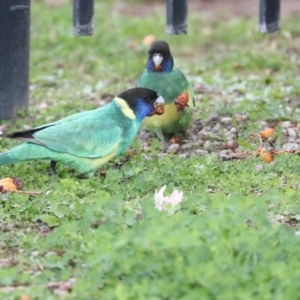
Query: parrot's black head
{"type": "Point", "coordinates": [160, 58]}
{"type": "Point", "coordinates": [142, 102]}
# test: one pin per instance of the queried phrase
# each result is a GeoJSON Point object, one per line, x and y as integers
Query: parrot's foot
{"type": "Point", "coordinates": [163, 142]}
{"type": "Point", "coordinates": [52, 167]}
{"type": "Point", "coordinates": [87, 175]}
{"type": "Point", "coordinates": [182, 101]}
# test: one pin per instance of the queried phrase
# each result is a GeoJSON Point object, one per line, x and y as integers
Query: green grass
{"type": "Point", "coordinates": [225, 241]}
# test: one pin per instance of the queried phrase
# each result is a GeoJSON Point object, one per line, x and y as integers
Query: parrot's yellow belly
{"type": "Point", "coordinates": [165, 122]}
{"type": "Point", "coordinates": [96, 163]}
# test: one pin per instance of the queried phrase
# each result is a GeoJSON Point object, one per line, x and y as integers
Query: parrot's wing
{"type": "Point", "coordinates": [85, 137]}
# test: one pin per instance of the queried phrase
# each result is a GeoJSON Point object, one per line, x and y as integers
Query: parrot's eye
{"type": "Point", "coordinates": [146, 97]}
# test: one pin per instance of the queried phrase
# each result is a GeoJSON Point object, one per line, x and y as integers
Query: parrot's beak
{"type": "Point", "coordinates": [159, 105]}
{"type": "Point", "coordinates": [157, 59]}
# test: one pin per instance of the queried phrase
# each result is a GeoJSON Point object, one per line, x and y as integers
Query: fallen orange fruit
{"type": "Point", "coordinates": [267, 133]}
{"type": "Point", "coordinates": [175, 140]}
{"type": "Point", "coordinates": [148, 39]}
{"type": "Point", "coordinates": [7, 179]}
{"type": "Point", "coordinates": [265, 155]}
{"type": "Point", "coordinates": [8, 186]}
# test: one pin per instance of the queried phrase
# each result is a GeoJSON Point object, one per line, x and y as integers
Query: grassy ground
{"type": "Point", "coordinates": [234, 237]}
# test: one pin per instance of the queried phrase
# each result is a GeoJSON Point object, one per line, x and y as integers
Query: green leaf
{"type": "Point", "coordinates": [52, 221]}
{"type": "Point", "coordinates": [69, 183]}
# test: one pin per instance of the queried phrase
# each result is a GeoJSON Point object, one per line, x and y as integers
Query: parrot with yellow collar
{"type": "Point", "coordinates": [161, 76]}
{"type": "Point", "coordinates": [87, 140]}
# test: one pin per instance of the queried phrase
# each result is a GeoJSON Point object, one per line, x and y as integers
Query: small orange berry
{"type": "Point", "coordinates": [267, 133]}
{"type": "Point", "coordinates": [159, 109]}
{"type": "Point", "coordinates": [265, 155]}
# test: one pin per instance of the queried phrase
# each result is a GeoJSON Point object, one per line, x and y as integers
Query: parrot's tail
{"type": "Point", "coordinates": [23, 152]}
{"type": "Point", "coordinates": [5, 159]}
{"type": "Point", "coordinates": [29, 151]}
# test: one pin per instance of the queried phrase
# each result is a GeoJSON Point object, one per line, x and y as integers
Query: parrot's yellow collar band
{"type": "Point", "coordinates": [126, 110]}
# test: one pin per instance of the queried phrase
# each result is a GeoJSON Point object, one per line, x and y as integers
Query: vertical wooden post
{"type": "Point", "coordinates": [14, 56]}
{"type": "Point", "coordinates": [269, 15]}
{"type": "Point", "coordinates": [176, 16]}
{"type": "Point", "coordinates": [83, 11]}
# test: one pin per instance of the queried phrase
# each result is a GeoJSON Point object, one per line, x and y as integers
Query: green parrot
{"type": "Point", "coordinates": [87, 140]}
{"type": "Point", "coordinates": [161, 76]}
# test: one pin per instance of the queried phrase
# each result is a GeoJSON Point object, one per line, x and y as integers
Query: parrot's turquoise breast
{"type": "Point", "coordinates": [169, 85]}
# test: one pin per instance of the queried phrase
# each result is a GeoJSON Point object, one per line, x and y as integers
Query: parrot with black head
{"type": "Point", "coordinates": [87, 140]}
{"type": "Point", "coordinates": [161, 76]}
